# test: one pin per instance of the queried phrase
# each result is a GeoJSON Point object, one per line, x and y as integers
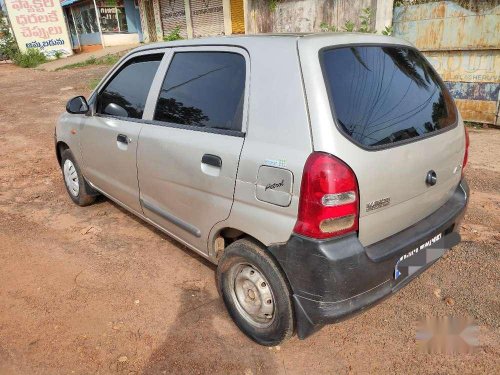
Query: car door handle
{"type": "Point", "coordinates": [122, 138]}
{"type": "Point", "coordinates": [213, 160]}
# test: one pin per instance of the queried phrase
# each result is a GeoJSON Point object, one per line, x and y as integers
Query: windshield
{"type": "Point", "coordinates": [385, 94]}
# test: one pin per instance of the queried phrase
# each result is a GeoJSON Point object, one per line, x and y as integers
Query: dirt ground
{"type": "Point", "coordinates": [95, 290]}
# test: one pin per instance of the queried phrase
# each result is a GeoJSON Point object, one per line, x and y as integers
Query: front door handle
{"type": "Point", "coordinates": [213, 160]}
{"type": "Point", "coordinates": [122, 138]}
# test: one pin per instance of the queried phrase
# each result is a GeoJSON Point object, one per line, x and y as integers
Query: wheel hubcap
{"type": "Point", "coordinates": [71, 177]}
{"type": "Point", "coordinates": [253, 295]}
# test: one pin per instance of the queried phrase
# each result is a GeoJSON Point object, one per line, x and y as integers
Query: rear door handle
{"type": "Point", "coordinates": [213, 160]}
{"type": "Point", "coordinates": [122, 138]}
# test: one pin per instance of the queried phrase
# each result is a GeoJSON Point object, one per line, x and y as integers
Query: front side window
{"type": "Point", "coordinates": [126, 93]}
{"type": "Point", "coordinates": [204, 89]}
{"type": "Point", "coordinates": [385, 94]}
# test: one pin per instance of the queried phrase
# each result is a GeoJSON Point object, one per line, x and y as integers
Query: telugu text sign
{"type": "Point", "coordinates": [39, 24]}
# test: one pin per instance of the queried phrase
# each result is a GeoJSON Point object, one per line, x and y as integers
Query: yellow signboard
{"type": "Point", "coordinates": [39, 24]}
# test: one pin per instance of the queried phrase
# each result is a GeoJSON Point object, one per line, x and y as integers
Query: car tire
{"type": "Point", "coordinates": [256, 293]}
{"type": "Point", "coordinates": [78, 189]}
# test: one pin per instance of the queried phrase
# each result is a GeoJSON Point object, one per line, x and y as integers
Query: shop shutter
{"type": "Point", "coordinates": [237, 17]}
{"type": "Point", "coordinates": [173, 14]}
{"type": "Point", "coordinates": [207, 17]}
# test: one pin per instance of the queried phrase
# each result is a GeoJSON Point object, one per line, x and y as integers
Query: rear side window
{"type": "Point", "coordinates": [125, 95]}
{"type": "Point", "coordinates": [204, 89]}
{"type": "Point", "coordinates": [382, 95]}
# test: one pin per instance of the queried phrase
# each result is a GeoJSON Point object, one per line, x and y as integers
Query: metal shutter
{"type": "Point", "coordinates": [173, 14]}
{"type": "Point", "coordinates": [208, 17]}
{"type": "Point", "coordinates": [237, 17]}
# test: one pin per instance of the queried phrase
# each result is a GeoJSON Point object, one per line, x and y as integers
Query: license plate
{"type": "Point", "coordinates": [419, 257]}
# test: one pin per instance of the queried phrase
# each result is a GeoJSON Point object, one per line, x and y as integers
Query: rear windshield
{"type": "Point", "coordinates": [382, 95]}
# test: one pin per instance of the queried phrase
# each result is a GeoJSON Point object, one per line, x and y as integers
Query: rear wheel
{"type": "Point", "coordinates": [256, 293]}
{"type": "Point", "coordinates": [78, 189]}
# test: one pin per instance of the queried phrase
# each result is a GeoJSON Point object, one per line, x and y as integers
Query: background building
{"type": "Point", "coordinates": [94, 24]}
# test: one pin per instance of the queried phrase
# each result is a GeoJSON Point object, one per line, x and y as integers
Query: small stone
{"type": "Point", "coordinates": [437, 293]}
{"type": "Point", "coordinates": [449, 301]}
{"type": "Point", "coordinates": [137, 301]}
{"type": "Point", "coordinates": [278, 348]}
{"type": "Point", "coordinates": [248, 371]}
{"type": "Point", "coordinates": [67, 88]}
{"type": "Point", "coordinates": [123, 358]}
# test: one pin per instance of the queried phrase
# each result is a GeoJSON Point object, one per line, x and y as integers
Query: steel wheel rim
{"type": "Point", "coordinates": [252, 295]}
{"type": "Point", "coordinates": [71, 178]}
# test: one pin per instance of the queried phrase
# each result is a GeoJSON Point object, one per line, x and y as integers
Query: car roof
{"type": "Point", "coordinates": [254, 40]}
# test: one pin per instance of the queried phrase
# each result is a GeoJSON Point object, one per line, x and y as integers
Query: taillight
{"type": "Point", "coordinates": [328, 204]}
{"type": "Point", "coordinates": [466, 154]}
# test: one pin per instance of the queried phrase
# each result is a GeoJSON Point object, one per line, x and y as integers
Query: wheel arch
{"type": "Point", "coordinates": [60, 147]}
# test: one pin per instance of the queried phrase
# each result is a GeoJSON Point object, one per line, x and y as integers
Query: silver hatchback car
{"type": "Point", "coordinates": [321, 172]}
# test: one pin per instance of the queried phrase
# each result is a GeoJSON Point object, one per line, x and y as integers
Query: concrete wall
{"type": "Point", "coordinates": [308, 15]}
{"type": "Point", "coordinates": [111, 40]}
{"type": "Point", "coordinates": [300, 15]}
{"type": "Point", "coordinates": [463, 46]}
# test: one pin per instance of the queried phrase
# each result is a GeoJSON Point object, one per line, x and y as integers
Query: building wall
{"type": "Point", "coordinates": [156, 27]}
{"type": "Point", "coordinates": [304, 15]}
{"type": "Point", "coordinates": [207, 17]}
{"type": "Point", "coordinates": [173, 14]}
{"type": "Point", "coordinates": [463, 46]}
{"type": "Point", "coordinates": [120, 39]}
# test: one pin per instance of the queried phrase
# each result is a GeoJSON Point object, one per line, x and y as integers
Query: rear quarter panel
{"type": "Point", "coordinates": [278, 130]}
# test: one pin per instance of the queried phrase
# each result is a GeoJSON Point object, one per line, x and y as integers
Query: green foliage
{"type": "Point", "coordinates": [8, 45]}
{"type": "Point", "coordinates": [58, 55]}
{"type": "Point", "coordinates": [472, 5]}
{"type": "Point", "coordinates": [272, 5]}
{"type": "Point", "coordinates": [348, 26]}
{"type": "Point", "coordinates": [388, 31]}
{"type": "Point", "coordinates": [366, 20]}
{"type": "Point", "coordinates": [175, 34]}
{"type": "Point", "coordinates": [29, 59]}
{"type": "Point", "coordinates": [92, 60]}
{"type": "Point", "coordinates": [328, 28]}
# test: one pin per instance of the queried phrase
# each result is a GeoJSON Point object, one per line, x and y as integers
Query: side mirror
{"type": "Point", "coordinates": [77, 106]}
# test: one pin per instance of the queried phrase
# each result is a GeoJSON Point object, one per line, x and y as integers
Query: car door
{"type": "Point", "coordinates": [188, 153]}
{"type": "Point", "coordinates": [109, 137]}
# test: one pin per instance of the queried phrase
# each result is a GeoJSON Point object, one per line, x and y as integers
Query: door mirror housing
{"type": "Point", "coordinates": [77, 105]}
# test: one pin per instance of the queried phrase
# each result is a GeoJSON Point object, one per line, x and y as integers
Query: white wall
{"type": "Point", "coordinates": [120, 39]}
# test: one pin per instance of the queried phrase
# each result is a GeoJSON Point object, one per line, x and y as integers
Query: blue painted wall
{"type": "Point", "coordinates": [133, 18]}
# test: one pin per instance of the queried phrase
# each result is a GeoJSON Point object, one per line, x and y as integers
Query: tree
{"type": "Point", "coordinates": [8, 45]}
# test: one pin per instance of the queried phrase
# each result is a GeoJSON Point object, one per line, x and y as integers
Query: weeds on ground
{"type": "Point", "coordinates": [29, 59]}
{"type": "Point", "coordinates": [92, 60]}
{"type": "Point", "coordinates": [93, 83]}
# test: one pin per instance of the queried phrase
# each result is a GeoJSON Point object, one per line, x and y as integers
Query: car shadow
{"type": "Point", "coordinates": [204, 340]}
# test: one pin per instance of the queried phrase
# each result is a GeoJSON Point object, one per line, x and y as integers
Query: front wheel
{"type": "Point", "coordinates": [256, 293]}
{"type": "Point", "coordinates": [78, 189]}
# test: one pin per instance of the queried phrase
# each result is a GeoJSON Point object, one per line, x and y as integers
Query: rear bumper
{"type": "Point", "coordinates": [333, 279]}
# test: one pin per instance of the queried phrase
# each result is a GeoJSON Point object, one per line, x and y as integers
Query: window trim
{"type": "Point", "coordinates": [112, 74]}
{"type": "Point", "coordinates": [203, 48]}
{"type": "Point", "coordinates": [322, 50]}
